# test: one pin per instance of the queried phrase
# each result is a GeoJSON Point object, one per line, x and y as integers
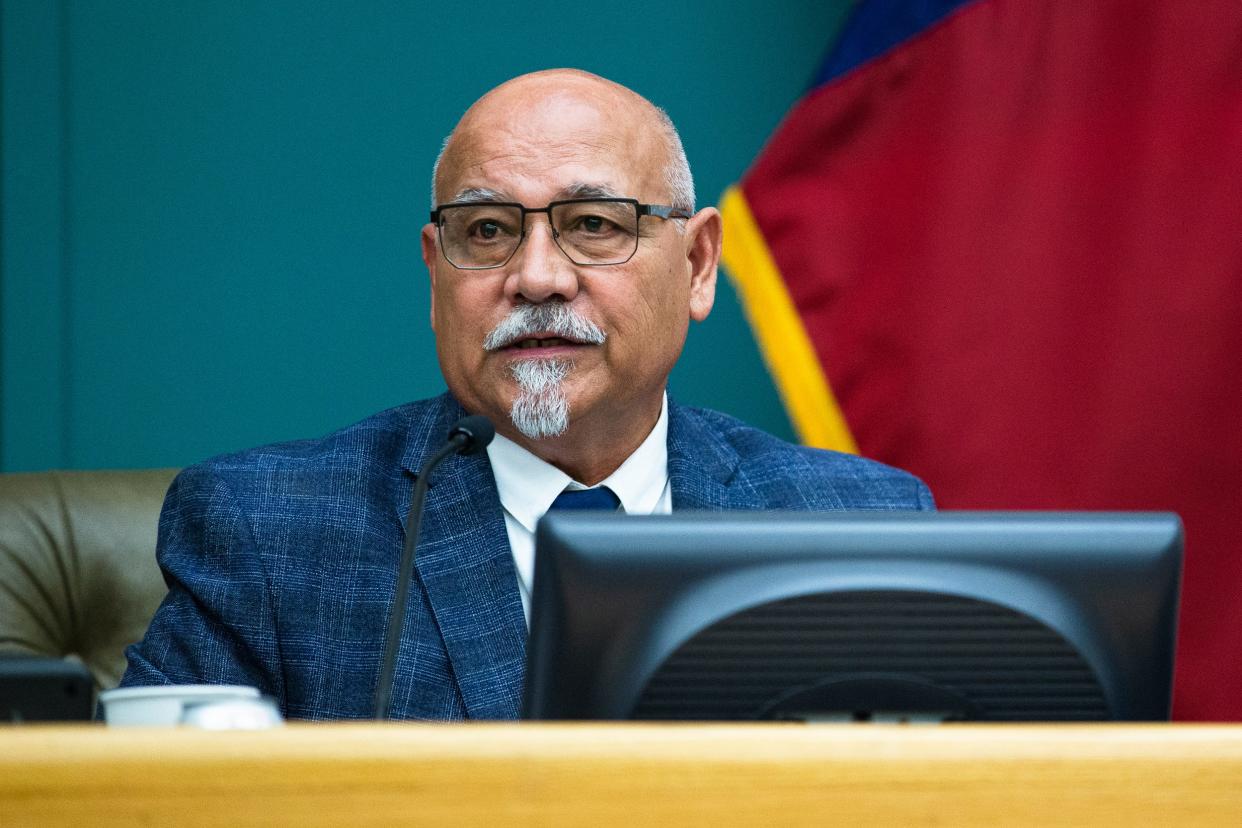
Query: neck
{"type": "Point", "coordinates": [589, 451]}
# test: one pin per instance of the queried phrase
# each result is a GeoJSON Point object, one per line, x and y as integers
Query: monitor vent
{"type": "Point", "coordinates": [1008, 665]}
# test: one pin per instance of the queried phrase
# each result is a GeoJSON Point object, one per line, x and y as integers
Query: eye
{"type": "Point", "coordinates": [593, 225]}
{"type": "Point", "coordinates": [491, 228]}
{"type": "Point", "coordinates": [595, 222]}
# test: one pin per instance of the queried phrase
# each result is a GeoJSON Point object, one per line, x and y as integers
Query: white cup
{"type": "Point", "coordinates": [165, 705]}
{"type": "Point", "coordinates": [235, 714]}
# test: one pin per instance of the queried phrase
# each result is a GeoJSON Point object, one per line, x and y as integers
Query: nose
{"type": "Point", "coordinates": [539, 271]}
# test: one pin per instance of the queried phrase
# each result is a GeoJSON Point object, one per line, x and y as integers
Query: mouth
{"type": "Point", "coordinates": [548, 329]}
{"type": "Point", "coordinates": [543, 344]}
{"type": "Point", "coordinates": [549, 342]}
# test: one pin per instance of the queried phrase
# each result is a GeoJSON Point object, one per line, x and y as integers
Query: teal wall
{"type": "Point", "coordinates": [211, 210]}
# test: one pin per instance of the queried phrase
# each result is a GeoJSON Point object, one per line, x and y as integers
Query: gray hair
{"type": "Point", "coordinates": [540, 409]}
{"type": "Point", "coordinates": [553, 317]}
{"type": "Point", "coordinates": [677, 175]}
{"type": "Point", "coordinates": [677, 171]}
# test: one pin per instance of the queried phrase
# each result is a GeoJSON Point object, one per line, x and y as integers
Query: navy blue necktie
{"type": "Point", "coordinates": [601, 499]}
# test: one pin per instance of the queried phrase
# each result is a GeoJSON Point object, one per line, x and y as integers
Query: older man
{"type": "Point", "coordinates": [567, 261]}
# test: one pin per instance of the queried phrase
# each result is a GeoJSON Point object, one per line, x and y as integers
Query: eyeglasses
{"type": "Point", "coordinates": [477, 235]}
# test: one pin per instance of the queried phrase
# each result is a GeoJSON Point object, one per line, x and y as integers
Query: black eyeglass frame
{"type": "Point", "coordinates": [662, 211]}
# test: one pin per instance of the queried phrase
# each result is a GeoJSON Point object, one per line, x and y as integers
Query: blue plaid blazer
{"type": "Point", "coordinates": [281, 560]}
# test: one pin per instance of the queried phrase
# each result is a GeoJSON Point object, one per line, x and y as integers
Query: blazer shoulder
{"type": "Point", "coordinates": [369, 447]}
{"type": "Point", "coordinates": [800, 477]}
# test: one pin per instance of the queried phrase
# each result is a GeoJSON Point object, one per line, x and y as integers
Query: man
{"type": "Point", "coordinates": [567, 261]}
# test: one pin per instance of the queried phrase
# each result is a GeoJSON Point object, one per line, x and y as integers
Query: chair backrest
{"type": "Point", "coordinates": [78, 576]}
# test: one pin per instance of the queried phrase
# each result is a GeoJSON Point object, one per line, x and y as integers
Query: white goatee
{"type": "Point", "coordinates": [540, 409]}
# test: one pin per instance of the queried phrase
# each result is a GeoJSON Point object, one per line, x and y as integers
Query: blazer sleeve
{"type": "Point", "coordinates": [216, 625]}
{"type": "Point", "coordinates": [926, 502]}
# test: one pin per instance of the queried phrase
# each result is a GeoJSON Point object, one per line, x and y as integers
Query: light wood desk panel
{"type": "Point", "coordinates": [628, 775]}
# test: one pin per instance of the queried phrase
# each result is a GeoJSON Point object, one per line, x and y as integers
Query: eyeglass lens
{"type": "Point", "coordinates": [589, 232]}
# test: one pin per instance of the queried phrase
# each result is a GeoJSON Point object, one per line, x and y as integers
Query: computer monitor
{"type": "Point", "coordinates": [854, 616]}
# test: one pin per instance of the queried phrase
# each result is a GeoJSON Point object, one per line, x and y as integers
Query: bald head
{"type": "Point", "coordinates": [549, 113]}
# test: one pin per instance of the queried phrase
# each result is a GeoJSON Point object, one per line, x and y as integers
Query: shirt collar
{"type": "Point", "coordinates": [527, 485]}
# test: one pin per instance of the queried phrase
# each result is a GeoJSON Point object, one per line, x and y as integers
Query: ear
{"type": "Point", "coordinates": [703, 236]}
{"type": "Point", "coordinates": [430, 256]}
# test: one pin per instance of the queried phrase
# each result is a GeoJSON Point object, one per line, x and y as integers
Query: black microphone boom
{"type": "Point", "coordinates": [469, 435]}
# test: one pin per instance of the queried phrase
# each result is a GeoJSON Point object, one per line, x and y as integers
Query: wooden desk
{"type": "Point", "coordinates": [630, 775]}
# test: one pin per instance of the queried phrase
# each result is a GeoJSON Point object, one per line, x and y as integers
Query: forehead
{"type": "Point", "coordinates": [535, 148]}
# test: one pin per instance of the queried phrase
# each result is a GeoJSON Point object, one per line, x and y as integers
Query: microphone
{"type": "Point", "coordinates": [469, 435]}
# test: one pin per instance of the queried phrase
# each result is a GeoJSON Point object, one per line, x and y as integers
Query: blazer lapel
{"type": "Point", "coordinates": [702, 466]}
{"type": "Point", "coordinates": [466, 568]}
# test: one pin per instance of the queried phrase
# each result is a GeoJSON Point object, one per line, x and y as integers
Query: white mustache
{"type": "Point", "coordinates": [554, 318]}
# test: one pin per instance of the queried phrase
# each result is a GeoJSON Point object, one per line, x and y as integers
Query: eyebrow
{"type": "Point", "coordinates": [479, 194]}
{"type": "Point", "coordinates": [584, 190]}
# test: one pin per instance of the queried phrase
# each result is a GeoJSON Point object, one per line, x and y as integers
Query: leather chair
{"type": "Point", "coordinates": [78, 576]}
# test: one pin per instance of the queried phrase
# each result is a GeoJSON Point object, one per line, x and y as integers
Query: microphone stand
{"type": "Point", "coordinates": [468, 436]}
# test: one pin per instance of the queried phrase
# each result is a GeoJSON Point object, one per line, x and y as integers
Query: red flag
{"type": "Point", "coordinates": [1002, 248]}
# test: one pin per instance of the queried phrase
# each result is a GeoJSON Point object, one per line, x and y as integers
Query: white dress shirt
{"type": "Point", "coordinates": [528, 485]}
